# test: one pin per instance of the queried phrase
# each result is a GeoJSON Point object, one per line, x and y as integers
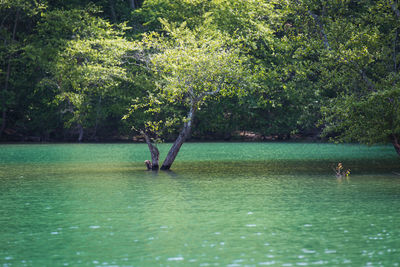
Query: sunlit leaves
{"type": "Point", "coordinates": [188, 67]}
{"type": "Point", "coordinates": [92, 64]}
{"type": "Point", "coordinates": [367, 109]}
{"type": "Point", "coordinates": [87, 67]}
{"type": "Point", "coordinates": [196, 64]}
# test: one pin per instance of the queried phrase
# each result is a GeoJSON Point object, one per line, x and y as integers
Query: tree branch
{"type": "Point", "coordinates": [4, 19]}
{"type": "Point", "coordinates": [155, 154]}
{"type": "Point", "coordinates": [321, 30]}
{"type": "Point", "coordinates": [138, 57]}
{"type": "Point", "coordinates": [395, 52]}
{"type": "Point", "coordinates": [393, 5]}
{"type": "Point", "coordinates": [212, 92]}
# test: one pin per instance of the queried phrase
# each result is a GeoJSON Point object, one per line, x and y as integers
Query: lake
{"type": "Point", "coordinates": [223, 204]}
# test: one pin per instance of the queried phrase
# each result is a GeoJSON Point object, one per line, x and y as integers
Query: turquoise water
{"type": "Point", "coordinates": [192, 152]}
{"type": "Point", "coordinates": [224, 204]}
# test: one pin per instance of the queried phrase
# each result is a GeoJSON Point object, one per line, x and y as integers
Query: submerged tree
{"type": "Point", "coordinates": [190, 67]}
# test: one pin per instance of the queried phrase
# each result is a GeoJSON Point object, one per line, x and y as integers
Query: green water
{"type": "Point", "coordinates": [235, 204]}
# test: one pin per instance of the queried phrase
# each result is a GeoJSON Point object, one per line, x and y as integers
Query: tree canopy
{"type": "Point", "coordinates": [280, 69]}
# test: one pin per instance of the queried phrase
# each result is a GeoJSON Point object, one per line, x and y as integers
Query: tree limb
{"type": "Point", "coordinates": [185, 132]}
{"type": "Point", "coordinates": [211, 93]}
{"type": "Point", "coordinates": [4, 19]}
{"type": "Point", "coordinates": [393, 5]}
{"type": "Point", "coordinates": [144, 62]}
{"type": "Point", "coordinates": [321, 30]}
{"type": "Point", "coordinates": [395, 52]}
{"type": "Point", "coordinates": [155, 154]}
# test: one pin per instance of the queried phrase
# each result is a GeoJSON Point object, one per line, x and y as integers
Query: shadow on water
{"type": "Point", "coordinates": [196, 159]}
{"type": "Point", "coordinates": [356, 166]}
{"type": "Point", "coordinates": [237, 168]}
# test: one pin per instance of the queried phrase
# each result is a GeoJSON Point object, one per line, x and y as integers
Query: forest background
{"type": "Point", "coordinates": [112, 70]}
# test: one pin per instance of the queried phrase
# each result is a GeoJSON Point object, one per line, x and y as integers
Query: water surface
{"type": "Point", "coordinates": [240, 204]}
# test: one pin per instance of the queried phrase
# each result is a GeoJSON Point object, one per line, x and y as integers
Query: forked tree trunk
{"type": "Point", "coordinates": [155, 154]}
{"type": "Point", "coordinates": [173, 152]}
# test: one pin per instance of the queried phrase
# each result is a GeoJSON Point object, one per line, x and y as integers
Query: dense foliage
{"type": "Point", "coordinates": [71, 70]}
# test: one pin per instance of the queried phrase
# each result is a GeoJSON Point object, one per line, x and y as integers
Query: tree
{"type": "Point", "coordinates": [190, 67]}
{"type": "Point", "coordinates": [361, 60]}
{"type": "Point", "coordinates": [175, 11]}
{"type": "Point", "coordinates": [16, 17]}
{"type": "Point", "coordinates": [86, 72]}
{"type": "Point", "coordinates": [83, 62]}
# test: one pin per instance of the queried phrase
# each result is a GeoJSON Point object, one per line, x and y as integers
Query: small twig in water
{"type": "Point", "coordinates": [340, 171]}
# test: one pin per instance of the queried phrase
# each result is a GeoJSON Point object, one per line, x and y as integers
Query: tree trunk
{"type": "Point", "coordinates": [394, 57]}
{"type": "Point", "coordinates": [96, 125]}
{"type": "Point", "coordinates": [132, 4]}
{"type": "Point", "coordinates": [6, 83]}
{"type": "Point", "coordinates": [396, 144]}
{"type": "Point", "coordinates": [397, 148]}
{"type": "Point", "coordinates": [393, 5]}
{"type": "Point", "coordinates": [3, 121]}
{"type": "Point", "coordinates": [155, 154]}
{"type": "Point", "coordinates": [80, 129]}
{"type": "Point", "coordinates": [173, 152]}
{"type": "Point", "coordinates": [112, 9]}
